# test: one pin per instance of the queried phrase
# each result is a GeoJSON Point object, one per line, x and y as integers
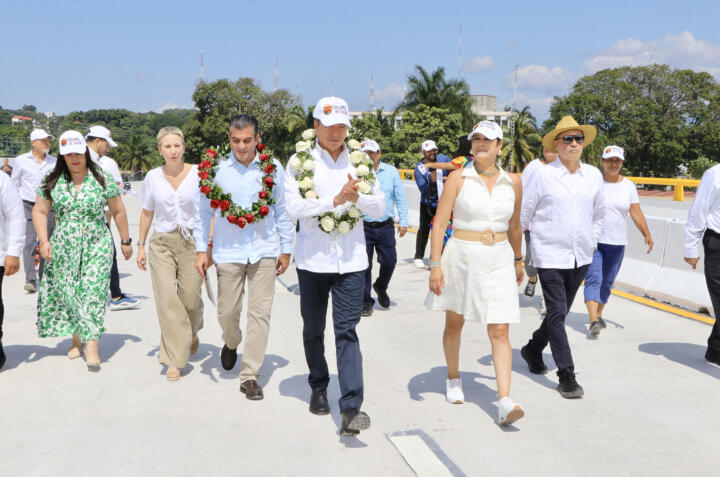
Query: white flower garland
{"type": "Point", "coordinates": [304, 165]}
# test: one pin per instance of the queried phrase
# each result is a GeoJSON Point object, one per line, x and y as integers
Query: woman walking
{"type": "Point", "coordinates": [169, 197]}
{"type": "Point", "coordinates": [621, 200]}
{"type": "Point", "coordinates": [73, 289]}
{"type": "Point", "coordinates": [481, 267]}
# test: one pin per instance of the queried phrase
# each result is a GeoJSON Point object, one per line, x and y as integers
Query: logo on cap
{"type": "Point", "coordinates": [64, 142]}
{"type": "Point", "coordinates": [608, 149]}
{"type": "Point", "coordinates": [327, 109]}
{"type": "Point", "coordinates": [362, 144]}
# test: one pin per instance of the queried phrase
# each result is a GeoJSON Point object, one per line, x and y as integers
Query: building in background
{"type": "Point", "coordinates": [485, 106]}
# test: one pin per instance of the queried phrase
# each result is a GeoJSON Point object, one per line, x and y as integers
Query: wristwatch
{"type": "Point", "coordinates": [126, 242]}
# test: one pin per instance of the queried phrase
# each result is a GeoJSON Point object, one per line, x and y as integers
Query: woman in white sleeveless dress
{"type": "Point", "coordinates": [481, 268]}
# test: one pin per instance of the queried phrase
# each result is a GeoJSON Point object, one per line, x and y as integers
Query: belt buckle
{"type": "Point", "coordinates": [487, 237]}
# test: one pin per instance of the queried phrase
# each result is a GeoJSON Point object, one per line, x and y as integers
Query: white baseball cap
{"type": "Point", "coordinates": [490, 129]}
{"type": "Point", "coordinates": [331, 111]}
{"type": "Point", "coordinates": [429, 145]}
{"type": "Point", "coordinates": [614, 151]}
{"type": "Point", "coordinates": [101, 132]}
{"type": "Point", "coordinates": [369, 145]}
{"type": "Point", "coordinates": [40, 134]}
{"type": "Point", "coordinates": [72, 141]}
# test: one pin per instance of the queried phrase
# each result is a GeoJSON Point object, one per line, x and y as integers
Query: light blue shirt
{"type": "Point", "coordinates": [231, 244]}
{"type": "Point", "coordinates": [392, 187]}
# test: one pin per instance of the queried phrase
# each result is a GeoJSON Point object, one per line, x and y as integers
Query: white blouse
{"type": "Point", "coordinates": [173, 208]}
{"type": "Point", "coordinates": [619, 196]}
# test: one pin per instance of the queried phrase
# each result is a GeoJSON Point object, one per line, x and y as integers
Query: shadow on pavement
{"type": "Point", "coordinates": [519, 366]}
{"type": "Point", "coordinates": [17, 354]}
{"type": "Point", "coordinates": [688, 354]}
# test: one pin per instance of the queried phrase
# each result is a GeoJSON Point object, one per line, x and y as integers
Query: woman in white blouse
{"type": "Point", "coordinates": [621, 200]}
{"type": "Point", "coordinates": [169, 196]}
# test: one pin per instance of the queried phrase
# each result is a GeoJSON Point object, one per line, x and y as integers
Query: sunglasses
{"type": "Point", "coordinates": [579, 138]}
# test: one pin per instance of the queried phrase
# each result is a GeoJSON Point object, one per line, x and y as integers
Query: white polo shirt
{"type": "Point", "coordinates": [28, 173]}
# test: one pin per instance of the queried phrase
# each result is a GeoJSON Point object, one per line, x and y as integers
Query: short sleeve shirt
{"type": "Point", "coordinates": [618, 198]}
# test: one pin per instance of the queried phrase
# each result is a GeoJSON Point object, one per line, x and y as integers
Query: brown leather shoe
{"type": "Point", "coordinates": [251, 390]}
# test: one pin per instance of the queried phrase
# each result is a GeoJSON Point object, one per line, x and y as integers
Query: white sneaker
{"type": "Point", "coordinates": [418, 262]}
{"type": "Point", "coordinates": [543, 310]}
{"type": "Point", "coordinates": [453, 391]}
{"type": "Point", "coordinates": [509, 411]}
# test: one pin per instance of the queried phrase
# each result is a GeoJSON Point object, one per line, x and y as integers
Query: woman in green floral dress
{"type": "Point", "coordinates": [73, 290]}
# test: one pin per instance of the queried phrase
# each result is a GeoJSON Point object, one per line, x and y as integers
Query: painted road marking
{"type": "Point", "coordinates": [423, 455]}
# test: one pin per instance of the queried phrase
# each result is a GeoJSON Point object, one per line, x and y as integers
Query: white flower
{"type": "Point", "coordinates": [363, 187]}
{"type": "Point", "coordinates": [353, 144]}
{"type": "Point", "coordinates": [344, 227]}
{"type": "Point", "coordinates": [301, 146]}
{"type": "Point", "coordinates": [309, 165]}
{"type": "Point", "coordinates": [306, 183]}
{"type": "Point", "coordinates": [310, 194]}
{"type": "Point", "coordinates": [356, 157]}
{"type": "Point", "coordinates": [295, 163]}
{"type": "Point", "coordinates": [327, 223]}
{"type": "Point", "coordinates": [362, 170]}
{"type": "Point", "coordinates": [308, 134]}
{"type": "Point", "coordinates": [354, 212]}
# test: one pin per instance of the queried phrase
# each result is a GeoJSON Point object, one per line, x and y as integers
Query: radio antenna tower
{"type": "Point", "coordinates": [277, 74]}
{"type": "Point", "coordinates": [515, 86]}
{"type": "Point", "coordinates": [202, 66]}
{"type": "Point", "coordinates": [460, 53]}
{"type": "Point", "coordinates": [372, 92]}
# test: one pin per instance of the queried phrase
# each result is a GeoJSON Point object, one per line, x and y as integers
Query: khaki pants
{"type": "Point", "coordinates": [261, 289]}
{"type": "Point", "coordinates": [176, 285]}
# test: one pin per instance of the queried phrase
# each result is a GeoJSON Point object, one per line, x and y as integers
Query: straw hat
{"type": "Point", "coordinates": [568, 123]}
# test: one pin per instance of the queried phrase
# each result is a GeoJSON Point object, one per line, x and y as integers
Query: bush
{"type": "Point", "coordinates": [698, 166]}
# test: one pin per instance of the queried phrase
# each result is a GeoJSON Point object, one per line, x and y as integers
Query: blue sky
{"type": "Point", "coordinates": [144, 55]}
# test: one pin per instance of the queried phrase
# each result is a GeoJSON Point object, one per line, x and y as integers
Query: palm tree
{"type": "Point", "coordinates": [517, 146]}
{"type": "Point", "coordinates": [386, 123]}
{"type": "Point", "coordinates": [137, 155]}
{"type": "Point", "coordinates": [432, 89]}
{"type": "Point", "coordinates": [295, 118]}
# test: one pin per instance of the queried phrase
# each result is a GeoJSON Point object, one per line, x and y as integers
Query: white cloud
{"type": "Point", "coordinates": [480, 63]}
{"type": "Point", "coordinates": [390, 95]}
{"type": "Point", "coordinates": [543, 79]}
{"type": "Point", "coordinates": [168, 105]}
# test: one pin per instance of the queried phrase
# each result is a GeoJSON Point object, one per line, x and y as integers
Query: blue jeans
{"type": "Point", "coordinates": [603, 271]}
{"type": "Point", "coordinates": [382, 240]}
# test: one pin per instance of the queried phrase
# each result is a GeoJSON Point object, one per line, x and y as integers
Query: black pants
{"type": "Point", "coordinates": [381, 239]}
{"type": "Point", "coordinates": [559, 286]}
{"type": "Point", "coordinates": [426, 215]}
{"type": "Point", "coordinates": [347, 295]}
{"type": "Point", "coordinates": [2, 307]}
{"type": "Point", "coordinates": [711, 245]}
{"type": "Point", "coordinates": [115, 290]}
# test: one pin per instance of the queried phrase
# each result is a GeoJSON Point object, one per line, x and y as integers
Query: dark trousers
{"type": "Point", "coordinates": [711, 245]}
{"type": "Point", "coordinates": [2, 307]}
{"type": "Point", "coordinates": [346, 290]}
{"type": "Point", "coordinates": [28, 256]}
{"type": "Point", "coordinates": [115, 290]}
{"type": "Point", "coordinates": [426, 215]}
{"type": "Point", "coordinates": [559, 287]}
{"type": "Point", "coordinates": [381, 239]}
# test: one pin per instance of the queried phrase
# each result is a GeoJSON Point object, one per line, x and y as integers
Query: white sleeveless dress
{"type": "Point", "coordinates": [480, 279]}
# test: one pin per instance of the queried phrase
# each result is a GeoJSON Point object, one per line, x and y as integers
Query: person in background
{"type": "Point", "coordinates": [6, 166]}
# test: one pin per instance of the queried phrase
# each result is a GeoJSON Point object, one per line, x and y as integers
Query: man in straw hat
{"type": "Point", "coordinates": [564, 206]}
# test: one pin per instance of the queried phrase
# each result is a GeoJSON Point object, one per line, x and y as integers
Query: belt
{"type": "Point", "coordinates": [487, 236]}
{"type": "Point", "coordinates": [28, 202]}
{"type": "Point", "coordinates": [377, 225]}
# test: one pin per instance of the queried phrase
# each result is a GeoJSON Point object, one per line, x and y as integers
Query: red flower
{"type": "Point", "coordinates": [250, 218]}
{"type": "Point", "coordinates": [224, 204]}
{"type": "Point", "coordinates": [263, 194]}
{"type": "Point", "coordinates": [269, 181]}
{"type": "Point", "coordinates": [203, 175]}
{"type": "Point", "coordinates": [269, 168]}
{"type": "Point", "coordinates": [214, 203]}
{"type": "Point", "coordinates": [206, 164]}
{"type": "Point", "coordinates": [231, 218]}
{"type": "Point", "coordinates": [205, 189]}
{"type": "Point", "coordinates": [264, 210]}
{"type": "Point", "coordinates": [264, 157]}
{"type": "Point", "coordinates": [211, 153]}
{"type": "Point", "coordinates": [260, 147]}
{"type": "Point", "coordinates": [241, 222]}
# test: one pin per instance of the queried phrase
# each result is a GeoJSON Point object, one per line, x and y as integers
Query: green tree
{"type": "Point", "coordinates": [516, 147]}
{"type": "Point", "coordinates": [137, 154]}
{"type": "Point", "coordinates": [698, 166]}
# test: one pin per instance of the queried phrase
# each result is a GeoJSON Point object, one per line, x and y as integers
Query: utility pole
{"type": "Point", "coordinates": [459, 53]}
{"type": "Point", "coordinates": [372, 92]}
{"type": "Point", "coordinates": [277, 74]}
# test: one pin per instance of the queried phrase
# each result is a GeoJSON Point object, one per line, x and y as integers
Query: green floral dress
{"type": "Point", "coordinates": [74, 286]}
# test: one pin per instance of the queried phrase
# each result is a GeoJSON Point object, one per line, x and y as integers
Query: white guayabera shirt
{"type": "Point", "coordinates": [28, 173]}
{"type": "Point", "coordinates": [705, 211]}
{"type": "Point", "coordinates": [12, 220]}
{"type": "Point", "coordinates": [315, 250]}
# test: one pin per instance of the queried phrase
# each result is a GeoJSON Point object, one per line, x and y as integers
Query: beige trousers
{"type": "Point", "coordinates": [261, 289]}
{"type": "Point", "coordinates": [176, 285]}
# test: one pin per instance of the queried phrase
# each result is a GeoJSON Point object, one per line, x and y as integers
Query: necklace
{"type": "Point", "coordinates": [494, 173]}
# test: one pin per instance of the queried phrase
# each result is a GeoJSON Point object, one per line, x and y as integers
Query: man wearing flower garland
{"type": "Point", "coordinates": [328, 188]}
{"type": "Point", "coordinates": [247, 190]}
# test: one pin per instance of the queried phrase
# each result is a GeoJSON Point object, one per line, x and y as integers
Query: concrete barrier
{"type": "Point", "coordinates": [640, 268]}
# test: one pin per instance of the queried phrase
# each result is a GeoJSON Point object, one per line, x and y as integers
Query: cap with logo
{"type": "Point", "coordinates": [72, 142]}
{"type": "Point", "coordinates": [490, 129]}
{"type": "Point", "coordinates": [331, 111]}
{"type": "Point", "coordinates": [368, 145]}
{"type": "Point", "coordinates": [40, 134]}
{"type": "Point", "coordinates": [429, 145]}
{"type": "Point", "coordinates": [614, 151]}
{"type": "Point", "coordinates": [103, 133]}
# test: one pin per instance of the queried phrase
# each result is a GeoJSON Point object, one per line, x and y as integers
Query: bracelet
{"type": "Point", "coordinates": [518, 259]}
{"type": "Point", "coordinates": [140, 242]}
{"type": "Point", "coordinates": [434, 264]}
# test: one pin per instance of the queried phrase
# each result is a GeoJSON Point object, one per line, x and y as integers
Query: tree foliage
{"type": "Point", "coordinates": [518, 147]}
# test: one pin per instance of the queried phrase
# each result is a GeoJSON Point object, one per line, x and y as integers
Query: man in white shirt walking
{"type": "Point", "coordinates": [331, 256]}
{"type": "Point", "coordinates": [703, 224]}
{"type": "Point", "coordinates": [29, 170]}
{"type": "Point", "coordinates": [564, 207]}
{"type": "Point", "coordinates": [99, 141]}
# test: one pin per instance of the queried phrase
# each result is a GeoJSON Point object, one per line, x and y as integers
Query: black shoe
{"type": "Point", "coordinates": [353, 421]}
{"type": "Point", "coordinates": [711, 356]}
{"type": "Point", "coordinates": [2, 356]}
{"type": "Point", "coordinates": [228, 358]}
{"type": "Point", "coordinates": [367, 309]}
{"type": "Point", "coordinates": [595, 328]}
{"type": "Point", "coordinates": [533, 359]}
{"type": "Point", "coordinates": [319, 403]}
{"type": "Point", "coordinates": [603, 325]}
{"type": "Point", "coordinates": [568, 387]}
{"type": "Point", "coordinates": [383, 297]}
